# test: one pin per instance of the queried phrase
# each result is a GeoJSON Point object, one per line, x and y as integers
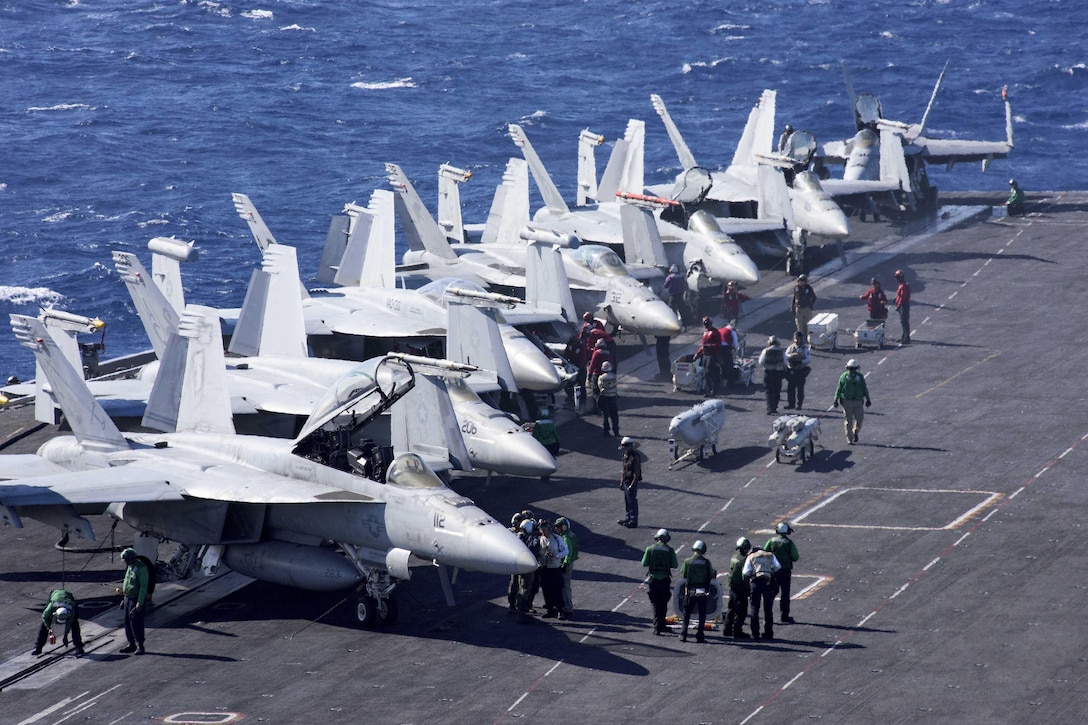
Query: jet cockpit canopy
{"type": "Point", "coordinates": [600, 260]}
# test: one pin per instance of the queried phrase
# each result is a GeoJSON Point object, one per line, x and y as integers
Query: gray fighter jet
{"type": "Point", "coordinates": [264, 507]}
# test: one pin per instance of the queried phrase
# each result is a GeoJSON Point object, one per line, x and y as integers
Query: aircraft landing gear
{"type": "Point", "coordinates": [374, 602]}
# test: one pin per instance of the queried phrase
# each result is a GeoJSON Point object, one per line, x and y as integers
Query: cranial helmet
{"type": "Point", "coordinates": [699, 546]}
{"type": "Point", "coordinates": [662, 535]}
{"type": "Point", "coordinates": [707, 322]}
{"type": "Point", "coordinates": [516, 519]}
{"type": "Point", "coordinates": [784, 528]}
{"type": "Point", "coordinates": [544, 412]}
{"type": "Point", "coordinates": [674, 269]}
{"type": "Point", "coordinates": [772, 340]}
{"type": "Point", "coordinates": [802, 278]}
{"type": "Point", "coordinates": [527, 526]}
{"type": "Point", "coordinates": [852, 364]}
{"type": "Point", "coordinates": [606, 366]}
{"type": "Point", "coordinates": [600, 345]}
{"type": "Point", "coordinates": [744, 545]}
{"type": "Point", "coordinates": [60, 616]}
{"type": "Point", "coordinates": [562, 522]}
{"type": "Point", "coordinates": [128, 555]}
{"type": "Point", "coordinates": [899, 274]}
{"type": "Point", "coordinates": [587, 316]}
{"type": "Point", "coordinates": [627, 441]}
{"type": "Point", "coordinates": [1012, 182]}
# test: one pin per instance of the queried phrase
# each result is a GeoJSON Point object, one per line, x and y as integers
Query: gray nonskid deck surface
{"type": "Point", "coordinates": [940, 574]}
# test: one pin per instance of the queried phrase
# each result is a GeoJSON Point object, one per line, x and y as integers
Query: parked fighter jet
{"type": "Point", "coordinates": [265, 507]}
{"type": "Point", "coordinates": [750, 178]}
{"type": "Point", "coordinates": [907, 146]}
{"type": "Point", "coordinates": [598, 279]}
{"type": "Point", "coordinates": [699, 242]}
{"type": "Point", "coordinates": [368, 305]}
{"type": "Point", "coordinates": [275, 375]}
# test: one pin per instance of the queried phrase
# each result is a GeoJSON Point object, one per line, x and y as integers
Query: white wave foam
{"type": "Point", "coordinates": [257, 14]}
{"type": "Point", "coordinates": [26, 295]}
{"type": "Point", "coordinates": [383, 85]}
{"type": "Point", "coordinates": [296, 26]}
{"type": "Point", "coordinates": [62, 107]}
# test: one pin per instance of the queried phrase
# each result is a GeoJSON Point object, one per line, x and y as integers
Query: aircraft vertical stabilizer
{"type": "Point", "coordinates": [510, 210]}
{"type": "Point", "coordinates": [449, 201]}
{"type": "Point", "coordinates": [156, 313]}
{"type": "Point", "coordinates": [420, 228]}
{"type": "Point", "coordinates": [552, 198]}
{"type": "Point", "coordinates": [474, 338]}
{"type": "Point", "coordinates": [248, 212]}
{"type": "Point", "coordinates": [271, 321]}
{"type": "Point", "coordinates": [546, 283]}
{"type": "Point", "coordinates": [587, 167]}
{"type": "Point", "coordinates": [89, 422]}
{"type": "Point", "coordinates": [370, 259]}
{"type": "Point", "coordinates": [687, 159]}
{"type": "Point", "coordinates": [166, 255]}
{"type": "Point", "coordinates": [758, 132]}
{"type": "Point", "coordinates": [424, 423]}
{"type": "Point", "coordinates": [612, 179]}
{"type": "Point", "coordinates": [641, 239]}
{"type": "Point", "coordinates": [893, 162]}
{"type": "Point", "coordinates": [774, 196]}
{"type": "Point", "coordinates": [336, 242]}
{"type": "Point", "coordinates": [190, 391]}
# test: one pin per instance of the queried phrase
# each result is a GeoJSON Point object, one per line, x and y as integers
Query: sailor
{"type": "Point", "coordinates": [527, 582]}
{"type": "Point", "coordinates": [698, 573]}
{"type": "Point", "coordinates": [676, 286]}
{"type": "Point", "coordinates": [554, 550]}
{"type": "Point", "coordinates": [731, 299]}
{"type": "Point", "coordinates": [575, 354]}
{"type": "Point", "coordinates": [786, 552]}
{"type": "Point", "coordinates": [739, 592]}
{"type": "Point", "coordinates": [711, 349]}
{"type": "Point", "coordinates": [60, 612]}
{"type": "Point", "coordinates": [876, 302]}
{"type": "Point", "coordinates": [600, 356]}
{"type": "Point", "coordinates": [562, 527]}
{"type": "Point", "coordinates": [773, 361]}
{"type": "Point", "coordinates": [630, 478]}
{"type": "Point", "coordinates": [515, 579]}
{"type": "Point", "coordinates": [804, 299]}
{"type": "Point", "coordinates": [134, 600]}
{"type": "Point", "coordinates": [545, 432]}
{"type": "Point", "coordinates": [730, 341]}
{"type": "Point", "coordinates": [798, 366]}
{"type": "Point", "coordinates": [759, 569]}
{"type": "Point", "coordinates": [660, 559]}
{"type": "Point", "coordinates": [1015, 205]}
{"type": "Point", "coordinates": [851, 391]}
{"type": "Point", "coordinates": [783, 140]}
{"type": "Point", "coordinates": [902, 306]}
{"type": "Point", "coordinates": [607, 389]}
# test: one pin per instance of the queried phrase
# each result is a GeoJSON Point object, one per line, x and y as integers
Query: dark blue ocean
{"type": "Point", "coordinates": [123, 120]}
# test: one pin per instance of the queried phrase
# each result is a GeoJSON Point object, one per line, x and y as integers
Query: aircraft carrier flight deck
{"type": "Point", "coordinates": [941, 577]}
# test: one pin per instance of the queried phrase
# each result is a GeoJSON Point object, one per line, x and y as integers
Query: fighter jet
{"type": "Point", "coordinates": [699, 242]}
{"type": "Point", "coordinates": [265, 507]}
{"type": "Point", "coordinates": [751, 177]}
{"type": "Point", "coordinates": [598, 280]}
{"type": "Point", "coordinates": [367, 306]}
{"type": "Point", "coordinates": [275, 374]}
{"type": "Point", "coordinates": [907, 147]}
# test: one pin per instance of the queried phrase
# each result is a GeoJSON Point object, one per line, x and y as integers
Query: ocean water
{"type": "Point", "coordinates": [126, 120]}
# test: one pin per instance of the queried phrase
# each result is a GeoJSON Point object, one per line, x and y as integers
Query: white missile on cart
{"type": "Point", "coordinates": [794, 436]}
{"type": "Point", "coordinates": [698, 427]}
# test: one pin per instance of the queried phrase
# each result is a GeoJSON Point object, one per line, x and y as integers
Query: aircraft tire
{"type": "Point", "coordinates": [387, 611]}
{"type": "Point", "coordinates": [366, 611]}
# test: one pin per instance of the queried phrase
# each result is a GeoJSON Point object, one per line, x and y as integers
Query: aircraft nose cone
{"type": "Point", "coordinates": [496, 550]}
{"type": "Point", "coordinates": [530, 458]}
{"type": "Point", "coordinates": [535, 372]}
{"type": "Point", "coordinates": [840, 225]}
{"type": "Point", "coordinates": [656, 318]}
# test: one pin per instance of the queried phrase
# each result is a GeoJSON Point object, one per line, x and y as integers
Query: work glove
{"type": "Point", "coordinates": [868, 403]}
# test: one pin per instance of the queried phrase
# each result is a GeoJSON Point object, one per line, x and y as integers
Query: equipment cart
{"type": "Point", "coordinates": [871, 334]}
{"type": "Point", "coordinates": [823, 329]}
{"type": "Point", "coordinates": [793, 437]}
{"type": "Point", "coordinates": [688, 374]}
